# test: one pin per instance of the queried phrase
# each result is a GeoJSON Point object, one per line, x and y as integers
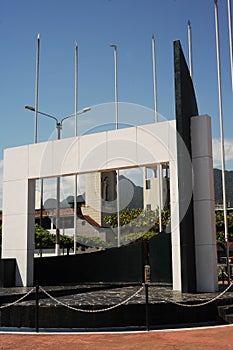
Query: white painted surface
{"type": "Point", "coordinates": [175, 228]}
{"type": "Point", "coordinates": [204, 216]}
{"type": "Point", "coordinates": [102, 151]}
{"type": "Point", "coordinates": [141, 146]}
{"type": "Point", "coordinates": [18, 227]}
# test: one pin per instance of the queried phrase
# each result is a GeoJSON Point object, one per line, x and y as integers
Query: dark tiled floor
{"type": "Point", "coordinates": [102, 294]}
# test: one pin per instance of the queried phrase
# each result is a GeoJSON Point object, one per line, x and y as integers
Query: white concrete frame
{"type": "Point", "coordinates": [118, 149]}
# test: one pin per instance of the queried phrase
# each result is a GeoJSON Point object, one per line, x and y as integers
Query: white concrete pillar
{"type": "Point", "coordinates": [175, 227]}
{"type": "Point", "coordinates": [18, 213]}
{"type": "Point", "coordinates": [203, 195]}
{"type": "Point", "coordinates": [18, 228]}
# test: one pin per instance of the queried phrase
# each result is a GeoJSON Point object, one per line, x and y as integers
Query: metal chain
{"type": "Point", "coordinates": [114, 306]}
{"type": "Point", "coordinates": [18, 300]}
{"type": "Point", "coordinates": [204, 303]}
{"type": "Point", "coordinates": [92, 311]}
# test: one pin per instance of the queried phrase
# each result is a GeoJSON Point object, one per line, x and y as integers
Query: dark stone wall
{"type": "Point", "coordinates": [7, 272]}
{"type": "Point", "coordinates": [116, 265]}
{"type": "Point", "coordinates": [160, 258]}
{"type": "Point", "coordinates": [113, 265]}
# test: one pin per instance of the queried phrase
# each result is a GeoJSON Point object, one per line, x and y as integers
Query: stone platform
{"type": "Point", "coordinates": [104, 306]}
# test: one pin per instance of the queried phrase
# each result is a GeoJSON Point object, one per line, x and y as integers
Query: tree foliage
{"type": "Point", "coordinates": [220, 227]}
{"type": "Point", "coordinates": [95, 242]}
{"type": "Point", "coordinates": [139, 218]}
{"type": "Point", "coordinates": [43, 239]}
{"type": "Point", "coordinates": [128, 217]}
{"type": "Point", "coordinates": [46, 240]}
{"type": "Point", "coordinates": [138, 221]}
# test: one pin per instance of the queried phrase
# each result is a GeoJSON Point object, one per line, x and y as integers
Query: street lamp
{"type": "Point", "coordinates": [59, 127]}
{"type": "Point", "coordinates": [58, 122]}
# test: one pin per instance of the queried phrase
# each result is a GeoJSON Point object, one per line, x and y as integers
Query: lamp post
{"type": "Point", "coordinates": [59, 127]}
{"type": "Point", "coordinates": [58, 122]}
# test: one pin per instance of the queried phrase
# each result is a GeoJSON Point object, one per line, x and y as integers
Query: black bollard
{"type": "Point", "coordinates": [147, 282]}
{"type": "Point", "coordinates": [37, 309]}
{"type": "Point", "coordinates": [147, 307]}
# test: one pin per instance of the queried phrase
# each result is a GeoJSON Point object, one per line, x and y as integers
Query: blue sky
{"type": "Point", "coordinates": [95, 24]}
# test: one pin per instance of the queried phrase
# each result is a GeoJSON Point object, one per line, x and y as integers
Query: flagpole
{"type": "Point", "coordinates": [36, 119]}
{"type": "Point", "coordinates": [230, 39]}
{"type": "Point", "coordinates": [117, 172]}
{"type": "Point", "coordinates": [190, 49]}
{"type": "Point", "coordinates": [154, 79]}
{"type": "Point", "coordinates": [76, 89]}
{"type": "Point", "coordinates": [159, 172]}
{"type": "Point", "coordinates": [37, 87]}
{"type": "Point", "coordinates": [222, 137]}
{"type": "Point", "coordinates": [76, 134]}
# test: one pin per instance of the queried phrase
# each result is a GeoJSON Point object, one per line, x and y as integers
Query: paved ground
{"type": "Point", "coordinates": [214, 338]}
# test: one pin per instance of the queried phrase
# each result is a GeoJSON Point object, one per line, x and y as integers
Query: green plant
{"type": "Point", "coordinates": [131, 237]}
{"type": "Point", "coordinates": [92, 242]}
{"type": "Point", "coordinates": [220, 235]}
{"type": "Point", "coordinates": [43, 239]}
{"type": "Point", "coordinates": [139, 219]}
{"type": "Point", "coordinates": [46, 240]}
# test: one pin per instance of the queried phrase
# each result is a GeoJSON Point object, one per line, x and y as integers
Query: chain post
{"type": "Point", "coordinates": [37, 310]}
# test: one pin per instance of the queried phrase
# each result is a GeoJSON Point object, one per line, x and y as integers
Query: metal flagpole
{"type": "Point", "coordinates": [154, 79]}
{"type": "Point", "coordinates": [116, 109]}
{"type": "Point", "coordinates": [230, 38]}
{"type": "Point", "coordinates": [159, 172]}
{"type": "Point", "coordinates": [76, 89]}
{"type": "Point", "coordinates": [41, 201]}
{"type": "Point", "coordinates": [116, 83]}
{"type": "Point", "coordinates": [222, 137]}
{"type": "Point", "coordinates": [76, 134]}
{"type": "Point", "coordinates": [36, 120]}
{"type": "Point", "coordinates": [190, 49]}
{"type": "Point", "coordinates": [37, 87]}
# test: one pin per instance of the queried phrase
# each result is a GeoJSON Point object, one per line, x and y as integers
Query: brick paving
{"type": "Point", "coordinates": [214, 338]}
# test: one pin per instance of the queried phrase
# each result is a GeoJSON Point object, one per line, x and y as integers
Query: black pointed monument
{"type": "Point", "coordinates": [186, 107]}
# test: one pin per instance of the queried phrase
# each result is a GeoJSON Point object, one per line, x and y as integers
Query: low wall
{"type": "Point", "coordinates": [7, 272]}
{"type": "Point", "coordinates": [124, 264]}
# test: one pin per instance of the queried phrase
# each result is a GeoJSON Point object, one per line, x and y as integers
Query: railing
{"type": "Point", "coordinates": [144, 287]}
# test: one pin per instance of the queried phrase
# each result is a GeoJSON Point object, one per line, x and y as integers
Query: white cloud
{"type": "Point", "coordinates": [49, 189]}
{"type": "Point", "coordinates": [134, 174]}
{"type": "Point", "coordinates": [228, 145]}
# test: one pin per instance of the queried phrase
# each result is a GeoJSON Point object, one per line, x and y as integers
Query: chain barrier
{"type": "Point", "coordinates": [18, 300]}
{"type": "Point", "coordinates": [205, 302]}
{"type": "Point", "coordinates": [114, 306]}
{"type": "Point", "coordinates": [88, 310]}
